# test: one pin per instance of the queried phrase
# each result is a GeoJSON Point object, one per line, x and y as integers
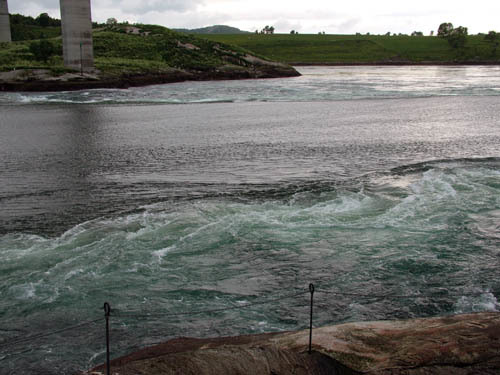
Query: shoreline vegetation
{"type": "Point", "coordinates": [139, 55]}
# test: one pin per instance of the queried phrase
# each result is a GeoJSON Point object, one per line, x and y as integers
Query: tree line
{"type": "Point", "coordinates": [43, 20]}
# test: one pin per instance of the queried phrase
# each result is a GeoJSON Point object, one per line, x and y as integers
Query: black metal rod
{"type": "Point", "coordinates": [81, 59]}
{"type": "Point", "coordinates": [311, 290]}
{"type": "Point", "coordinates": [107, 312]}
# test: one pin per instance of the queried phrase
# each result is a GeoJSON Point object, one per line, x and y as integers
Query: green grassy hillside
{"type": "Point", "coordinates": [324, 49]}
{"type": "Point", "coordinates": [156, 49]}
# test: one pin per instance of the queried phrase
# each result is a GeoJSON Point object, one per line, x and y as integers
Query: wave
{"type": "Point", "coordinates": [420, 240]}
{"type": "Point", "coordinates": [427, 165]}
{"type": "Point", "coordinates": [445, 187]}
{"type": "Point", "coordinates": [331, 84]}
{"type": "Point", "coordinates": [71, 98]}
{"type": "Point", "coordinates": [48, 99]}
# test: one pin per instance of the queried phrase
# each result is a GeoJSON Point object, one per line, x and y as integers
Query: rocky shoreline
{"type": "Point", "coordinates": [39, 80]}
{"type": "Point", "coordinates": [461, 345]}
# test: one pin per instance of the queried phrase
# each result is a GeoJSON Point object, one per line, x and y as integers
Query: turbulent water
{"type": "Point", "coordinates": [316, 84]}
{"type": "Point", "coordinates": [380, 185]}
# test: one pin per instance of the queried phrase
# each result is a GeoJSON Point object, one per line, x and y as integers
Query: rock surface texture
{"type": "Point", "coordinates": [461, 345]}
{"type": "Point", "coordinates": [41, 80]}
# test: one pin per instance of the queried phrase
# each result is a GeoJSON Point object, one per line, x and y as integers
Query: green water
{"type": "Point", "coordinates": [204, 219]}
{"type": "Point", "coordinates": [429, 232]}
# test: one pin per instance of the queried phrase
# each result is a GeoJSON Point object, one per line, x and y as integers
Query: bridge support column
{"type": "Point", "coordinates": [5, 35]}
{"type": "Point", "coordinates": [76, 23]}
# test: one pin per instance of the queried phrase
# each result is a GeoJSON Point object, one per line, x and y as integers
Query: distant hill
{"type": "Point", "coordinates": [216, 29]}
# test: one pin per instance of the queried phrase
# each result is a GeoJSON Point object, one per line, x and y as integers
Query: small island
{"type": "Point", "coordinates": [124, 56]}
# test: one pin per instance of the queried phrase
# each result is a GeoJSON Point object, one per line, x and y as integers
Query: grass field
{"type": "Point", "coordinates": [331, 49]}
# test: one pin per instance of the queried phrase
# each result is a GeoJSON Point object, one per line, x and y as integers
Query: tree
{"type": "Point", "coordinates": [42, 50]}
{"type": "Point", "coordinates": [292, 32]}
{"type": "Point", "coordinates": [492, 36]}
{"type": "Point", "coordinates": [458, 37]}
{"type": "Point", "coordinates": [267, 30]}
{"type": "Point", "coordinates": [111, 21]}
{"type": "Point", "coordinates": [445, 29]}
{"type": "Point", "coordinates": [45, 20]}
{"type": "Point", "coordinates": [417, 33]}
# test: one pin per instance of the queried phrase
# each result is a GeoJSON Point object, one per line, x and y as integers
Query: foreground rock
{"type": "Point", "coordinates": [462, 345]}
{"type": "Point", "coordinates": [246, 67]}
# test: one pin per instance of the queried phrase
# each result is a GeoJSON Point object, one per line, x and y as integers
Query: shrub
{"type": "Point", "coordinates": [42, 50]}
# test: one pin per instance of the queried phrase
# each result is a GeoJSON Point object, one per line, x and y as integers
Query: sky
{"type": "Point", "coordinates": [310, 16]}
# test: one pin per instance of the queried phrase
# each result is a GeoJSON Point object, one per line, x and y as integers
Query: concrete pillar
{"type": "Point", "coordinates": [5, 35]}
{"type": "Point", "coordinates": [76, 23]}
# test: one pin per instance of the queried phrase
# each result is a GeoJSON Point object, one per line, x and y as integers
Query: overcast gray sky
{"type": "Point", "coordinates": [309, 16]}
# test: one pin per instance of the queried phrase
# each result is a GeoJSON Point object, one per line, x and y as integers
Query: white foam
{"type": "Point", "coordinates": [162, 252]}
{"type": "Point", "coordinates": [427, 200]}
{"type": "Point", "coordinates": [485, 301]}
{"type": "Point", "coordinates": [24, 291]}
{"type": "Point", "coordinates": [136, 266]}
{"type": "Point", "coordinates": [72, 273]}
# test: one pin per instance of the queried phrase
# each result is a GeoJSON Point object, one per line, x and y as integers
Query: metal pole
{"type": "Point", "coordinates": [81, 59]}
{"type": "Point", "coordinates": [107, 312]}
{"type": "Point", "coordinates": [311, 290]}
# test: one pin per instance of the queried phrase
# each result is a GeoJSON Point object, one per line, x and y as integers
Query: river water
{"type": "Point", "coordinates": [380, 185]}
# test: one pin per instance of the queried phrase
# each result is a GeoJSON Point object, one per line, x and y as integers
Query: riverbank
{"type": "Point", "coordinates": [462, 344]}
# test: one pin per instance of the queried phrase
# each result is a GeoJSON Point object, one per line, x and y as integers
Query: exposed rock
{"type": "Point", "coordinates": [135, 31]}
{"type": "Point", "coordinates": [258, 61]}
{"type": "Point", "coordinates": [187, 46]}
{"type": "Point", "coordinates": [468, 344]}
{"type": "Point", "coordinates": [42, 79]}
{"type": "Point", "coordinates": [462, 345]}
{"type": "Point", "coordinates": [33, 80]}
